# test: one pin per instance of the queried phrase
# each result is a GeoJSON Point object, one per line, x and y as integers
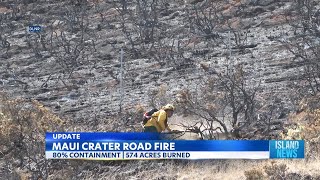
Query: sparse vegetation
{"type": "Point", "coordinates": [276, 171]}
{"type": "Point", "coordinates": [254, 174]}
{"type": "Point", "coordinates": [225, 99]}
{"type": "Point", "coordinates": [205, 19]}
{"type": "Point", "coordinates": [305, 44]}
{"type": "Point", "coordinates": [23, 125]}
{"type": "Point", "coordinates": [171, 48]}
{"type": "Point", "coordinates": [159, 97]}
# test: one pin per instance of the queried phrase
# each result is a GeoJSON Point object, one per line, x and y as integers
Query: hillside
{"type": "Point", "coordinates": [172, 51]}
{"type": "Point", "coordinates": [84, 84]}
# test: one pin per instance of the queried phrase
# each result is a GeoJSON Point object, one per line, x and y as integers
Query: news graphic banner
{"type": "Point", "coordinates": [127, 146]}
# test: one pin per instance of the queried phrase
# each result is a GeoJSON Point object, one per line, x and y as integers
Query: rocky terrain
{"type": "Point", "coordinates": [73, 68]}
{"type": "Point", "coordinates": [91, 90]}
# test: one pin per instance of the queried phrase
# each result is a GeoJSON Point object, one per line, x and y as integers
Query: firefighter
{"type": "Point", "coordinates": [159, 120]}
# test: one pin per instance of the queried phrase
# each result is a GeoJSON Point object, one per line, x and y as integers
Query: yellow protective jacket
{"type": "Point", "coordinates": [159, 120]}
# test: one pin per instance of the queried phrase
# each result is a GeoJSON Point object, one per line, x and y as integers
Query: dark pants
{"type": "Point", "coordinates": [150, 129]}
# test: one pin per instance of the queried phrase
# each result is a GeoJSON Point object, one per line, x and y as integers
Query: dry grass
{"type": "Point", "coordinates": [222, 169]}
{"type": "Point", "coordinates": [32, 119]}
{"type": "Point", "coordinates": [23, 125]}
{"type": "Point", "coordinates": [22, 118]}
{"type": "Point", "coordinates": [307, 127]}
{"type": "Point", "coordinates": [236, 169]}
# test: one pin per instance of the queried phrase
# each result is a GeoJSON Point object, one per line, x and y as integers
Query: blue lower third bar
{"type": "Point", "coordinates": [286, 149]}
